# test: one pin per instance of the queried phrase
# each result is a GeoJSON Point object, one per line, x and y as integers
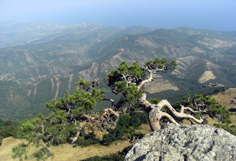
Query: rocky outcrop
{"type": "Point", "coordinates": [197, 142]}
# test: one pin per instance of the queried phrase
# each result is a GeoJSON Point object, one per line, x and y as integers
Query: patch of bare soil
{"type": "Point", "coordinates": [198, 50]}
{"type": "Point", "coordinates": [159, 85]}
{"type": "Point", "coordinates": [206, 76]}
{"type": "Point", "coordinates": [216, 43]}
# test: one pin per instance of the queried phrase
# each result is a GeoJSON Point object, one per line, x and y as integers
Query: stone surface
{"type": "Point", "coordinates": [173, 143]}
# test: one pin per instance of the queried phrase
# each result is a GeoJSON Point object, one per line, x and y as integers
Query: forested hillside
{"type": "Point", "coordinates": [42, 67]}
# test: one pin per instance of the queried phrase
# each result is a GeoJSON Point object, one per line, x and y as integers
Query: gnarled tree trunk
{"type": "Point", "coordinates": [154, 110]}
{"type": "Point", "coordinates": [155, 114]}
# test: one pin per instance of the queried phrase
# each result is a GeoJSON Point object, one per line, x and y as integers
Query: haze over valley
{"type": "Point", "coordinates": [121, 79]}
{"type": "Point", "coordinates": [40, 61]}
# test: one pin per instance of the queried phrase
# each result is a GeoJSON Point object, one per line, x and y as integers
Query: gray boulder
{"type": "Point", "coordinates": [177, 143]}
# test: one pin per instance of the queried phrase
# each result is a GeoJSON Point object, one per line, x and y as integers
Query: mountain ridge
{"type": "Point", "coordinates": [39, 71]}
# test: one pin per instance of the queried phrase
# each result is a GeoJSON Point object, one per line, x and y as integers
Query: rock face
{"type": "Point", "coordinates": [187, 143]}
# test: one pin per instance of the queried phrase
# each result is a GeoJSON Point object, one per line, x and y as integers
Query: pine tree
{"type": "Point", "coordinates": [72, 114]}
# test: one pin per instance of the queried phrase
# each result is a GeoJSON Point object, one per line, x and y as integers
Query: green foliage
{"type": "Point", "coordinates": [186, 100]}
{"type": "Point", "coordinates": [214, 109]}
{"type": "Point", "coordinates": [8, 128]}
{"type": "Point", "coordinates": [160, 63]}
{"type": "Point", "coordinates": [118, 81]}
{"type": "Point", "coordinates": [63, 121]}
{"type": "Point", "coordinates": [154, 100]}
{"type": "Point", "coordinates": [112, 157]}
{"type": "Point", "coordinates": [126, 78]}
{"type": "Point", "coordinates": [125, 125]}
{"type": "Point", "coordinates": [19, 151]}
{"type": "Point", "coordinates": [197, 115]}
{"type": "Point", "coordinates": [84, 101]}
{"type": "Point", "coordinates": [84, 85]}
{"type": "Point", "coordinates": [42, 154]}
{"type": "Point", "coordinates": [86, 140]}
{"type": "Point", "coordinates": [1, 138]}
{"type": "Point", "coordinates": [134, 70]}
{"type": "Point", "coordinates": [130, 93]}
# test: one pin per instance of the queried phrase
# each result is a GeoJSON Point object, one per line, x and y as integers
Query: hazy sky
{"type": "Point", "coordinates": [204, 14]}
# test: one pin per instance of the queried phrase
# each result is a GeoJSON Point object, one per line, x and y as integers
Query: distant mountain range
{"type": "Point", "coordinates": [38, 62]}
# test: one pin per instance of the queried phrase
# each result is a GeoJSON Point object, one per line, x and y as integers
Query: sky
{"type": "Point", "coordinates": [219, 15]}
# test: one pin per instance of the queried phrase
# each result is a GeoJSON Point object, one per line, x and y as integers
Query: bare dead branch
{"type": "Point", "coordinates": [188, 108]}
{"type": "Point", "coordinates": [109, 99]}
{"type": "Point", "coordinates": [76, 137]}
{"type": "Point", "coordinates": [170, 118]}
{"type": "Point", "coordinates": [165, 103]}
{"type": "Point", "coordinates": [89, 118]}
{"type": "Point", "coordinates": [147, 80]}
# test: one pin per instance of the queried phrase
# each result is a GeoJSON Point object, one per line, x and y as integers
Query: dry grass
{"type": "Point", "coordinates": [159, 84]}
{"type": "Point", "coordinates": [225, 98]}
{"type": "Point", "coordinates": [64, 152]}
{"type": "Point", "coordinates": [5, 148]}
{"type": "Point", "coordinates": [67, 153]}
{"type": "Point", "coordinates": [144, 128]}
{"type": "Point", "coordinates": [206, 76]}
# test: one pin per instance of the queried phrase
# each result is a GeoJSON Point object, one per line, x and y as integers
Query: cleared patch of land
{"type": "Point", "coordinates": [159, 85]}
{"type": "Point", "coordinates": [226, 97]}
{"type": "Point", "coordinates": [198, 50]}
{"type": "Point", "coordinates": [206, 76]}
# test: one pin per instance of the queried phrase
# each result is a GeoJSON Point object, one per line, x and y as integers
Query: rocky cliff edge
{"type": "Point", "coordinates": [177, 143]}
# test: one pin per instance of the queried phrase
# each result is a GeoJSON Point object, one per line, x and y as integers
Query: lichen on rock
{"type": "Point", "coordinates": [196, 142]}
